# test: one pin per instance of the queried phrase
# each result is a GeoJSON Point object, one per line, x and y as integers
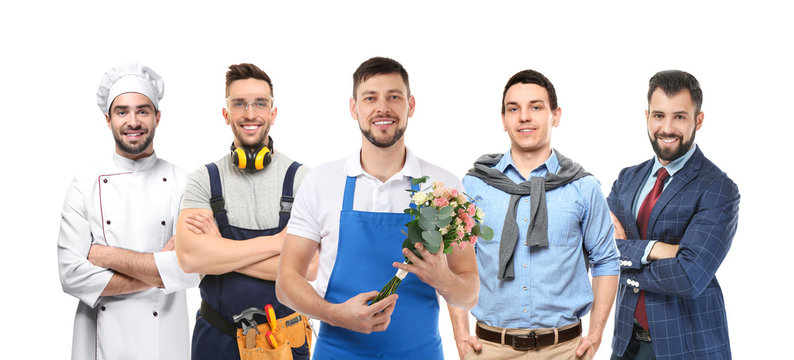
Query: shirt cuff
{"type": "Point", "coordinates": [647, 252]}
{"type": "Point", "coordinates": [174, 279]}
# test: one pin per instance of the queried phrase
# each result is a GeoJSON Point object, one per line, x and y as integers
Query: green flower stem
{"type": "Point", "coordinates": [391, 286]}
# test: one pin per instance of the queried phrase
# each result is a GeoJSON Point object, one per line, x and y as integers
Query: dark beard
{"type": "Point", "coordinates": [262, 140]}
{"type": "Point", "coordinates": [397, 135]}
{"type": "Point", "coordinates": [133, 149]}
{"type": "Point", "coordinates": [677, 153]}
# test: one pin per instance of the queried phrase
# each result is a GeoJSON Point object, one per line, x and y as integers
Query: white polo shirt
{"type": "Point", "coordinates": [318, 203]}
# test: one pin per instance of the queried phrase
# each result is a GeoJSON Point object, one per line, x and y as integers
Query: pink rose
{"type": "Point", "coordinates": [462, 245]}
{"type": "Point", "coordinates": [440, 202]}
{"type": "Point", "coordinates": [469, 222]}
{"type": "Point", "coordinates": [472, 210]}
{"type": "Point", "coordinates": [473, 239]}
{"type": "Point", "coordinates": [467, 228]}
{"type": "Point", "coordinates": [460, 233]}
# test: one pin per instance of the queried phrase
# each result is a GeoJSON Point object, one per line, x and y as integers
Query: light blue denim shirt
{"type": "Point", "coordinates": [551, 287]}
{"type": "Point", "coordinates": [672, 168]}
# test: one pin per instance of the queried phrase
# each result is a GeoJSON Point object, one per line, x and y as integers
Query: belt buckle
{"type": "Point", "coordinates": [531, 338]}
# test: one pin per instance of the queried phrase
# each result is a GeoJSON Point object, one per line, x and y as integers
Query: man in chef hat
{"type": "Point", "coordinates": [115, 247]}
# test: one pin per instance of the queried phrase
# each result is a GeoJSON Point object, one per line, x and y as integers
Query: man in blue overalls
{"type": "Point", "coordinates": [248, 195]}
{"type": "Point", "coordinates": [352, 211]}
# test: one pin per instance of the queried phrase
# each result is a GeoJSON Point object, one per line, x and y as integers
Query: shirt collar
{"type": "Point", "coordinates": [552, 164]}
{"type": "Point", "coordinates": [411, 168]}
{"type": "Point", "coordinates": [675, 165]}
{"type": "Point", "coordinates": [134, 165]}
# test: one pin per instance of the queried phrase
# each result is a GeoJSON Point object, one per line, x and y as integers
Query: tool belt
{"type": "Point", "coordinates": [293, 331]}
{"type": "Point", "coordinates": [531, 340]}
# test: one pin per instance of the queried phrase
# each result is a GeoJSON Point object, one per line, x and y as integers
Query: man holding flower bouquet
{"type": "Point", "coordinates": [352, 210]}
{"type": "Point", "coordinates": [553, 223]}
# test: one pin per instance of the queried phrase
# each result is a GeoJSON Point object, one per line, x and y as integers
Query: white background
{"type": "Point", "coordinates": [599, 55]}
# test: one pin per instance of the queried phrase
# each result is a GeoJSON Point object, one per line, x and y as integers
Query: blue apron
{"type": "Point", "coordinates": [231, 293]}
{"type": "Point", "coordinates": [368, 244]}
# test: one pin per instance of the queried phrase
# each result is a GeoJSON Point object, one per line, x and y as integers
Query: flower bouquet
{"type": "Point", "coordinates": [442, 217]}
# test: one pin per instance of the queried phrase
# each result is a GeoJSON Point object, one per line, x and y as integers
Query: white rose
{"type": "Point", "coordinates": [419, 198]}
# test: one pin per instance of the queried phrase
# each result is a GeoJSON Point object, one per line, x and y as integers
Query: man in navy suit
{"type": "Point", "coordinates": [675, 217]}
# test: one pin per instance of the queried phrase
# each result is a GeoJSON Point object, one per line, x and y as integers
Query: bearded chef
{"type": "Point", "coordinates": [115, 247]}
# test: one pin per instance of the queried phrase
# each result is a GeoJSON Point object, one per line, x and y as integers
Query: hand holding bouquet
{"type": "Point", "coordinates": [442, 218]}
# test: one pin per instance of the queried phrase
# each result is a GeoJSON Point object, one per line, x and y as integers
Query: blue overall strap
{"type": "Point", "coordinates": [217, 203]}
{"type": "Point", "coordinates": [286, 194]}
{"type": "Point", "coordinates": [350, 189]}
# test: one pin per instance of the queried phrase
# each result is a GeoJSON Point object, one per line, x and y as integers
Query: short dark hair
{"type": "Point", "coordinates": [379, 66]}
{"type": "Point", "coordinates": [673, 82]}
{"type": "Point", "coordinates": [532, 77]}
{"type": "Point", "coordinates": [246, 71]}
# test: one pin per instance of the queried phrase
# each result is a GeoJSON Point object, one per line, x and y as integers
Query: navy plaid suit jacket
{"type": "Point", "coordinates": [698, 210]}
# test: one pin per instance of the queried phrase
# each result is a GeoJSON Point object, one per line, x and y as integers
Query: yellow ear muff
{"type": "Point", "coordinates": [241, 158]}
{"type": "Point", "coordinates": [260, 158]}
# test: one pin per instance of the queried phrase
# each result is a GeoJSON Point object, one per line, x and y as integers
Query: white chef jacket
{"type": "Point", "coordinates": [132, 205]}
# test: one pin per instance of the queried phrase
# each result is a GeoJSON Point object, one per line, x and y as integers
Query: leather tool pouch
{"type": "Point", "coordinates": [293, 331]}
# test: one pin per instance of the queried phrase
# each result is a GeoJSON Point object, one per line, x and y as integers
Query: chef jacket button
{"type": "Point", "coordinates": [102, 308]}
{"type": "Point", "coordinates": [162, 222]}
{"type": "Point", "coordinates": [155, 314]}
{"type": "Point", "coordinates": [107, 222]}
{"type": "Point", "coordinates": [164, 179]}
{"type": "Point", "coordinates": [105, 181]}
{"type": "Point", "coordinates": [636, 290]}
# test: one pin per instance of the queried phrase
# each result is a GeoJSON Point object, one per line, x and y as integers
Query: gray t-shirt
{"type": "Point", "coordinates": [253, 199]}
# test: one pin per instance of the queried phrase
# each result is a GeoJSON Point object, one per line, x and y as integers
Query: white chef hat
{"type": "Point", "coordinates": [129, 78]}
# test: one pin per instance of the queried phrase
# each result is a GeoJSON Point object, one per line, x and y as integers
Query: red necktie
{"type": "Point", "coordinates": [642, 223]}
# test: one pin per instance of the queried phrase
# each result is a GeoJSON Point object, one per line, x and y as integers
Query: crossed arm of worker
{"type": "Point", "coordinates": [90, 270]}
{"type": "Point", "coordinates": [133, 271]}
{"type": "Point", "coordinates": [454, 276]}
{"type": "Point", "coordinates": [202, 249]}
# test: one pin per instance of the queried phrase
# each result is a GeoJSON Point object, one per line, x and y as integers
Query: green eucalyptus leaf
{"type": "Point", "coordinates": [429, 213]}
{"type": "Point", "coordinates": [414, 232]}
{"type": "Point", "coordinates": [486, 232]}
{"type": "Point", "coordinates": [426, 224]}
{"type": "Point", "coordinates": [445, 212]}
{"type": "Point", "coordinates": [418, 181]}
{"type": "Point", "coordinates": [433, 240]}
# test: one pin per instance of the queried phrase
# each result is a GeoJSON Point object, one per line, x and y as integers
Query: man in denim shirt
{"type": "Point", "coordinates": [551, 223]}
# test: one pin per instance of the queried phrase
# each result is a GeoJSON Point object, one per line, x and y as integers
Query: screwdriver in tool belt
{"type": "Point", "coordinates": [271, 317]}
{"type": "Point", "coordinates": [271, 339]}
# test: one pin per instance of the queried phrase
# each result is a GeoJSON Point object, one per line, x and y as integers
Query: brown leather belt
{"type": "Point", "coordinates": [531, 340]}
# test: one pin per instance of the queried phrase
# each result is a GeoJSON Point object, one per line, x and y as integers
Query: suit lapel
{"type": "Point", "coordinates": [633, 185]}
{"type": "Point", "coordinates": [679, 181]}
